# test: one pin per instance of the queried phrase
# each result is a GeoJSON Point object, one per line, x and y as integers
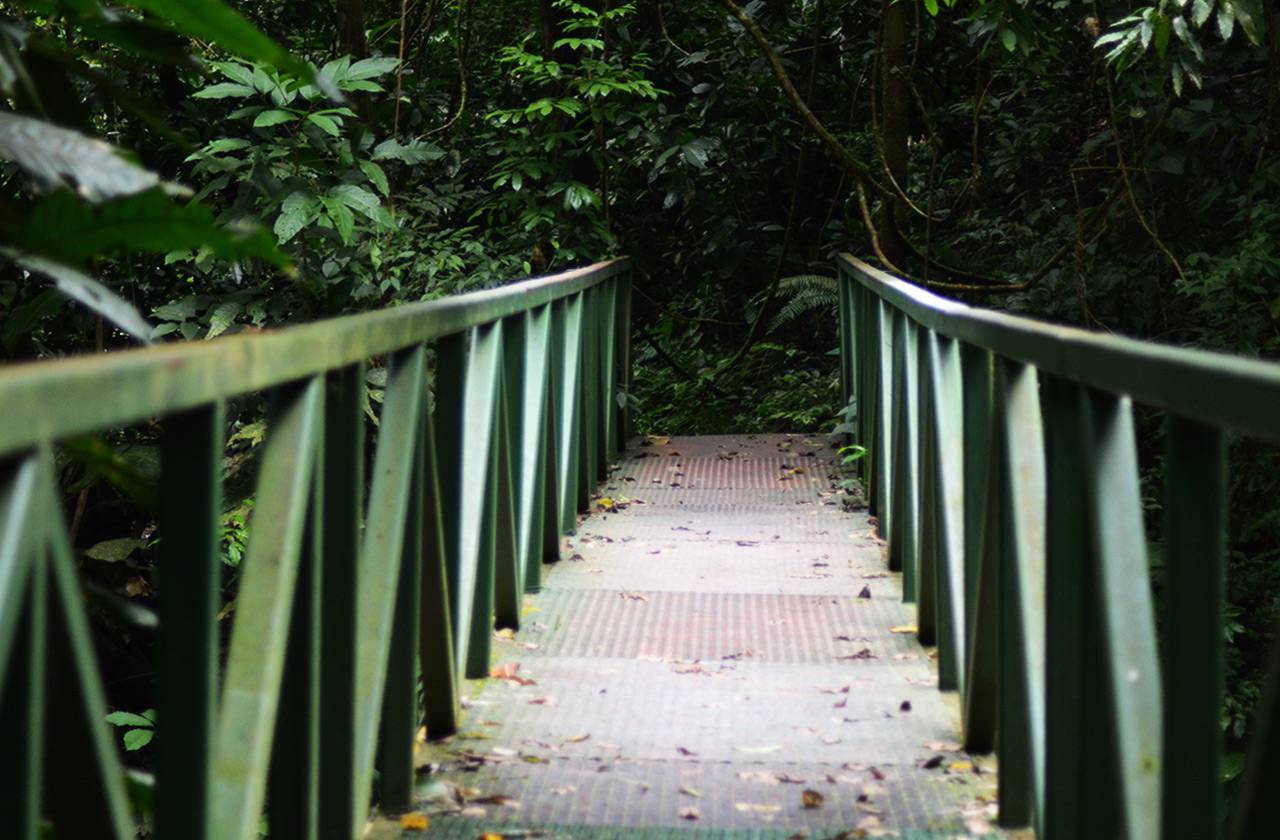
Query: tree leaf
{"type": "Point", "coordinates": [375, 174]}
{"type": "Point", "coordinates": [224, 90]}
{"type": "Point", "coordinates": [70, 231]}
{"type": "Point", "coordinates": [60, 157]}
{"type": "Point", "coordinates": [127, 719]}
{"type": "Point", "coordinates": [114, 551]}
{"type": "Point", "coordinates": [136, 739]}
{"type": "Point", "coordinates": [327, 124]}
{"type": "Point", "coordinates": [369, 68]}
{"type": "Point", "coordinates": [296, 212]}
{"type": "Point", "coordinates": [87, 291]}
{"type": "Point", "coordinates": [213, 20]}
{"type": "Point", "coordinates": [273, 117]}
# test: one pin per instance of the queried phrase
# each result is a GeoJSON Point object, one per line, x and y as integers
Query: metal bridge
{"type": "Point", "coordinates": [723, 647]}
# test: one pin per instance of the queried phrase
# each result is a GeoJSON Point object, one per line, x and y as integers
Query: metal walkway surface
{"type": "Point", "coordinates": [720, 653]}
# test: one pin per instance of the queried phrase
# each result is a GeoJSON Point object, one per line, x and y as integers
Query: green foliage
{"type": "Point", "coordinates": [139, 730]}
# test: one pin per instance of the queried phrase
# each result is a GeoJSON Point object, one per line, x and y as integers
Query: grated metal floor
{"type": "Point", "coordinates": [701, 665]}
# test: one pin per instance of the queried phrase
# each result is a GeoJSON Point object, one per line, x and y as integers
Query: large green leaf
{"type": "Point", "coordinates": [61, 157]}
{"type": "Point", "coordinates": [214, 21]}
{"type": "Point", "coordinates": [87, 291]}
{"type": "Point", "coordinates": [71, 231]}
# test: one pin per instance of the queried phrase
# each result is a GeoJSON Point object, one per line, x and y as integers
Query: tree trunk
{"type": "Point", "coordinates": [895, 125]}
{"type": "Point", "coordinates": [351, 28]}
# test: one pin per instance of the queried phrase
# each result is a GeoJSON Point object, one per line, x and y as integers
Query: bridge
{"type": "Point", "coordinates": [495, 612]}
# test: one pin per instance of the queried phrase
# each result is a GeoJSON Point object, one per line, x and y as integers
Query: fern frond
{"type": "Point", "coordinates": [803, 294]}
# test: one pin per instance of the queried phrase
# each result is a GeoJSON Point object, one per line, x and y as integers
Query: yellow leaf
{"type": "Point", "coordinates": [961, 766]}
{"type": "Point", "coordinates": [414, 822]}
{"type": "Point", "coordinates": [905, 628]}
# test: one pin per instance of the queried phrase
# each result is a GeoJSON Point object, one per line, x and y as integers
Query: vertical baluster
{"type": "Point", "coordinates": [928, 551]}
{"type": "Point", "coordinates": [451, 381]}
{"type": "Point", "coordinates": [23, 605]}
{"type": "Point", "coordinates": [264, 607]}
{"type": "Point", "coordinates": [400, 698]}
{"type": "Point", "coordinates": [1127, 624]}
{"type": "Point", "coordinates": [343, 497]}
{"type": "Point", "coordinates": [187, 659]}
{"type": "Point", "coordinates": [949, 454]}
{"type": "Point", "coordinates": [481, 403]}
{"type": "Point", "coordinates": [536, 459]}
{"type": "Point", "coordinates": [622, 328]}
{"type": "Point", "coordinates": [885, 402]}
{"type": "Point", "coordinates": [1067, 689]}
{"type": "Point", "coordinates": [382, 549]}
{"type": "Point", "coordinates": [570, 381]}
{"type": "Point", "coordinates": [1022, 584]}
{"type": "Point", "coordinates": [607, 437]}
{"type": "Point", "coordinates": [1195, 483]}
{"type": "Point", "coordinates": [508, 581]}
{"type": "Point", "coordinates": [435, 631]}
{"type": "Point", "coordinates": [89, 798]}
{"type": "Point", "coordinates": [588, 393]}
{"type": "Point", "coordinates": [902, 525]}
{"type": "Point", "coordinates": [976, 384]}
{"type": "Point", "coordinates": [844, 293]}
{"type": "Point", "coordinates": [515, 364]}
{"type": "Point", "coordinates": [294, 775]}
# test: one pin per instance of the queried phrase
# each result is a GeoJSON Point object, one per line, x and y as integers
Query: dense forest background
{"type": "Point", "coordinates": [177, 169]}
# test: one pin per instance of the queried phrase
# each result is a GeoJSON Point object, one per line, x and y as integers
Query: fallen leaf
{"type": "Point", "coordinates": [414, 822]}
{"type": "Point", "coordinates": [960, 767]}
{"type": "Point", "coordinates": [747, 543]}
{"type": "Point", "coordinates": [691, 791]}
{"type": "Point", "coordinates": [543, 701]}
{"type": "Point", "coordinates": [904, 706]}
{"type": "Point", "coordinates": [866, 591]}
{"type": "Point", "coordinates": [759, 750]}
{"type": "Point", "coordinates": [504, 633]}
{"type": "Point", "coordinates": [575, 739]}
{"type": "Point", "coordinates": [511, 673]}
{"type": "Point", "coordinates": [685, 751]}
{"type": "Point", "coordinates": [632, 596]}
{"type": "Point", "coordinates": [788, 779]}
{"type": "Point", "coordinates": [944, 746]}
{"type": "Point", "coordinates": [811, 798]}
{"type": "Point", "coordinates": [930, 764]}
{"type": "Point", "coordinates": [876, 774]}
{"type": "Point", "coordinates": [865, 653]}
{"type": "Point", "coordinates": [563, 791]}
{"type": "Point", "coordinates": [690, 813]}
{"type": "Point", "coordinates": [904, 628]}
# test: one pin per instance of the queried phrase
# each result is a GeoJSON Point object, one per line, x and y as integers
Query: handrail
{"type": "Point", "coordinates": [122, 387]}
{"type": "Point", "coordinates": [344, 596]}
{"type": "Point", "coordinates": [1002, 468]}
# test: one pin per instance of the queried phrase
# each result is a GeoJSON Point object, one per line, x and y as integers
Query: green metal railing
{"type": "Point", "coordinates": [482, 459]}
{"type": "Point", "coordinates": [1002, 466]}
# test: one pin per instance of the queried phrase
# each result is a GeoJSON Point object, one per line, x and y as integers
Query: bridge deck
{"type": "Point", "coordinates": [702, 662]}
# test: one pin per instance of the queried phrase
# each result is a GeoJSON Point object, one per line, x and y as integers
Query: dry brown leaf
{"type": "Point", "coordinates": [944, 746]}
{"type": "Point", "coordinates": [632, 596]}
{"type": "Point", "coordinates": [575, 739]}
{"type": "Point", "coordinates": [414, 822]}
{"type": "Point", "coordinates": [690, 813]}
{"type": "Point", "coordinates": [811, 798]}
{"type": "Point", "coordinates": [685, 751]}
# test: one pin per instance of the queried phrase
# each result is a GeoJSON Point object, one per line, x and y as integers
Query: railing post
{"type": "Point", "coordinates": [1195, 590]}
{"type": "Point", "coordinates": [1067, 690]}
{"type": "Point", "coordinates": [187, 688]}
{"type": "Point", "coordinates": [885, 387]}
{"type": "Point", "coordinates": [904, 460]}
